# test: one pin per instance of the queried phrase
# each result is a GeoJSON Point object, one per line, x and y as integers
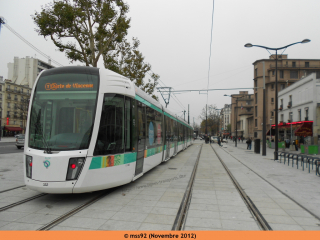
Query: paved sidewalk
{"type": "Point", "coordinates": [282, 212]}
{"type": "Point", "coordinates": [7, 139]}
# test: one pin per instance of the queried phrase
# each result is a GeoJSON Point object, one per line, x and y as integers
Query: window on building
{"type": "Point", "coordinates": [0, 87]}
{"type": "Point", "coordinates": [8, 105]}
{"type": "Point", "coordinates": [0, 96]}
{"type": "Point", "coordinates": [299, 114]}
{"type": "Point", "coordinates": [281, 118]}
{"type": "Point", "coordinates": [15, 97]}
{"type": "Point", "coordinates": [256, 72]}
{"type": "Point", "coordinates": [272, 113]}
{"type": "Point", "coordinates": [290, 116]}
{"type": "Point", "coordinates": [293, 64]}
{"type": "Point", "coordinates": [294, 74]}
{"type": "Point", "coordinates": [256, 122]}
{"type": "Point", "coordinates": [256, 98]}
{"type": "Point", "coordinates": [256, 111]}
{"type": "Point", "coordinates": [273, 72]}
{"type": "Point", "coordinates": [255, 83]}
{"type": "Point", "coordinates": [8, 113]}
{"type": "Point", "coordinates": [255, 134]}
{"type": "Point", "coordinates": [306, 64]}
{"type": "Point", "coordinates": [281, 74]}
{"type": "Point", "coordinates": [290, 100]}
{"type": "Point", "coordinates": [282, 86]}
{"type": "Point", "coordinates": [272, 100]}
{"type": "Point", "coordinates": [307, 115]}
{"type": "Point", "coordinates": [272, 86]}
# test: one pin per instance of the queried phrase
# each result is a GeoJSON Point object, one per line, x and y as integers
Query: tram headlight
{"type": "Point", "coordinates": [28, 166]}
{"type": "Point", "coordinates": [74, 168]}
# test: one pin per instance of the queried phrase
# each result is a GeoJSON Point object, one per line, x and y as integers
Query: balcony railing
{"type": "Point", "coordinates": [15, 116]}
{"type": "Point", "coordinates": [289, 104]}
{"type": "Point", "coordinates": [280, 65]}
{"type": "Point", "coordinates": [9, 98]}
{"type": "Point", "coordinates": [281, 107]}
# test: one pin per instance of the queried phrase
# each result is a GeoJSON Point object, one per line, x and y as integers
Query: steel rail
{"type": "Point", "coordinates": [285, 194]}
{"type": "Point", "coordinates": [11, 189]}
{"type": "Point", "coordinates": [254, 210]}
{"type": "Point", "coordinates": [183, 209]}
{"type": "Point", "coordinates": [21, 202]}
{"type": "Point", "coordinates": [74, 211]}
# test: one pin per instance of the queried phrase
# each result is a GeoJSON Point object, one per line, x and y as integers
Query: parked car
{"type": "Point", "coordinates": [20, 141]}
{"type": "Point", "coordinates": [224, 140]}
{"type": "Point", "coordinates": [214, 139]}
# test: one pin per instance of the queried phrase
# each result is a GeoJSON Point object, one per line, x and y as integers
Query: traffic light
{"type": "Point", "coordinates": [7, 121]}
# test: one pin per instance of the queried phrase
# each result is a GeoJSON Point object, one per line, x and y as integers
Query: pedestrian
{"type": "Point", "coordinates": [242, 139]}
{"type": "Point", "coordinates": [287, 143]}
{"type": "Point", "coordinates": [295, 145]}
{"type": "Point", "coordinates": [219, 141]}
{"type": "Point", "coordinates": [249, 144]}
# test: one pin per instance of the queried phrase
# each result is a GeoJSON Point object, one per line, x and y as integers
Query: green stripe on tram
{"type": "Point", "coordinates": [140, 99]}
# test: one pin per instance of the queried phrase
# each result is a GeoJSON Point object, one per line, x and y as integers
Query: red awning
{"type": "Point", "coordinates": [304, 130]}
{"type": "Point", "coordinates": [13, 129]}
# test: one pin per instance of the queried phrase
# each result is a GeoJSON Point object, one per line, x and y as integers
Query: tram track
{"type": "Point", "coordinates": [69, 214]}
{"type": "Point", "coordinates": [183, 209]}
{"type": "Point", "coordinates": [263, 224]}
{"type": "Point", "coordinates": [21, 202]}
{"type": "Point", "coordinates": [10, 189]}
{"type": "Point", "coordinates": [289, 197]}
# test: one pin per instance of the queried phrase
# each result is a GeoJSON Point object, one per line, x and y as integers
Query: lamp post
{"type": "Point", "coordinates": [270, 128]}
{"type": "Point", "coordinates": [291, 127]}
{"type": "Point", "coordinates": [248, 45]}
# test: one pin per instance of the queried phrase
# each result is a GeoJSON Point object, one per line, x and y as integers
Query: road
{"type": "Point", "coordinates": [9, 147]}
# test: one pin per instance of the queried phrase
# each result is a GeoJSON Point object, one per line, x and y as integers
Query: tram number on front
{"type": "Point", "coordinates": [45, 184]}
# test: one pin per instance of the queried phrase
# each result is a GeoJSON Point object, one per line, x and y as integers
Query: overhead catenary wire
{"type": "Point", "coordinates": [31, 45]}
{"type": "Point", "coordinates": [210, 49]}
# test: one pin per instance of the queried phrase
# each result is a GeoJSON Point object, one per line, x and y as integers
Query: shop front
{"type": "Point", "coordinates": [11, 130]}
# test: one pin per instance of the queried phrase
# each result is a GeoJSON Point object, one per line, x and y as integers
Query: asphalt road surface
{"type": "Point", "coordinates": [9, 147]}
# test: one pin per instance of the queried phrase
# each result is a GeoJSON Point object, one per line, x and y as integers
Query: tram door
{"type": "Point", "coordinates": [141, 134]}
{"type": "Point", "coordinates": [175, 137]}
{"type": "Point", "coordinates": [168, 136]}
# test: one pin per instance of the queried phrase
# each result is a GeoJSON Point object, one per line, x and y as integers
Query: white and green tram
{"type": "Point", "coordinates": [91, 129]}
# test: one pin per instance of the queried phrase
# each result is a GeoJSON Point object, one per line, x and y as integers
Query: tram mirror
{"type": "Point", "coordinates": [111, 146]}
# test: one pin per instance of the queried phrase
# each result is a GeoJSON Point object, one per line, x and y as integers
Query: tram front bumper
{"type": "Point", "coordinates": [50, 187]}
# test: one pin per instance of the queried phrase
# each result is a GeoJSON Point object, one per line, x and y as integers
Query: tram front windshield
{"type": "Point", "coordinates": [62, 112]}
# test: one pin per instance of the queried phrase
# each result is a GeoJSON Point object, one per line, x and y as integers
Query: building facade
{"type": "Point", "coordinates": [299, 104]}
{"type": "Point", "coordinates": [24, 71]}
{"type": "Point", "coordinates": [14, 102]}
{"type": "Point", "coordinates": [242, 114]}
{"type": "Point", "coordinates": [289, 72]}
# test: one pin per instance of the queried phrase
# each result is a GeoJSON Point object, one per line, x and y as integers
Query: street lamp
{"type": "Point", "coordinates": [236, 116]}
{"type": "Point", "coordinates": [248, 45]}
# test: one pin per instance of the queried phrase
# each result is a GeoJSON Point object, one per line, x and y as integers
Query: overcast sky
{"type": "Point", "coordinates": [175, 40]}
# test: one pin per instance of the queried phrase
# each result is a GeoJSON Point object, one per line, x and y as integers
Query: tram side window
{"type": "Point", "coordinates": [168, 128]}
{"type": "Point", "coordinates": [154, 127]}
{"type": "Point", "coordinates": [111, 135]}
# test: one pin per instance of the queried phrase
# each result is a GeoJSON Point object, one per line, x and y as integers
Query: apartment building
{"type": "Point", "coordinates": [289, 72]}
{"type": "Point", "coordinates": [242, 114]}
{"type": "Point", "coordinates": [14, 103]}
{"type": "Point", "coordinates": [299, 109]}
{"type": "Point", "coordinates": [24, 71]}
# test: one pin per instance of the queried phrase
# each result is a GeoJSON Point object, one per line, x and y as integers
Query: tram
{"type": "Point", "coordinates": [91, 129]}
